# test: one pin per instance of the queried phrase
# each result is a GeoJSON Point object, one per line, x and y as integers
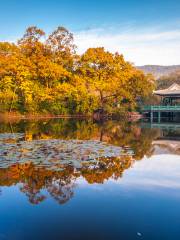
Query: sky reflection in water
{"type": "Point", "coordinates": [67, 179]}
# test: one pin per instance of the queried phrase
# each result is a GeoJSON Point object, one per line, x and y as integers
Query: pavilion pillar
{"type": "Point", "coordinates": [159, 117]}
{"type": "Point", "coordinates": [151, 116]}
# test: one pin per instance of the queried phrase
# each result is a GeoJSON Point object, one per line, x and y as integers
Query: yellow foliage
{"type": "Point", "coordinates": [38, 76]}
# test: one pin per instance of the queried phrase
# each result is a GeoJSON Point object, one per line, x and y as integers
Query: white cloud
{"type": "Point", "coordinates": [150, 46]}
{"type": "Point", "coordinates": [156, 173]}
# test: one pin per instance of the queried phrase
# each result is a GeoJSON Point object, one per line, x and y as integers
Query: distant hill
{"type": "Point", "coordinates": [159, 71]}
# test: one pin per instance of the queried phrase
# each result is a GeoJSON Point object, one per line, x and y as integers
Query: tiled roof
{"type": "Point", "coordinates": [174, 89]}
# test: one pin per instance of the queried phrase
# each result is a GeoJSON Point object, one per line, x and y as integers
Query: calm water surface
{"type": "Point", "coordinates": [68, 179]}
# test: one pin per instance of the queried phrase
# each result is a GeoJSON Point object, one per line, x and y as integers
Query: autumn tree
{"type": "Point", "coordinates": [61, 44]}
{"type": "Point", "coordinates": [9, 70]}
{"type": "Point", "coordinates": [110, 78]}
{"type": "Point", "coordinates": [44, 74]}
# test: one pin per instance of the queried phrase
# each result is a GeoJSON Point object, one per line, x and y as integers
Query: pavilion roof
{"type": "Point", "coordinates": [173, 90]}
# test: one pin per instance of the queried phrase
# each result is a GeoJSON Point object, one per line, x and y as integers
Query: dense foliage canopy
{"type": "Point", "coordinates": [44, 74]}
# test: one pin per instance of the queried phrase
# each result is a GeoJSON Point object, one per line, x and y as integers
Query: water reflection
{"type": "Point", "coordinates": [116, 133]}
{"type": "Point", "coordinates": [47, 158]}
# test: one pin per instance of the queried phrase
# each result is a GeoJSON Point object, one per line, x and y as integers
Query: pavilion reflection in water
{"type": "Point", "coordinates": [59, 178]}
{"type": "Point", "coordinates": [168, 141]}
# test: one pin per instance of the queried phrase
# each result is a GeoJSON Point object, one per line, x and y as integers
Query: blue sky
{"type": "Point", "coordinates": [146, 32]}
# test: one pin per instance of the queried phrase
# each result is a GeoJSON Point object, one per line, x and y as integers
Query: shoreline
{"type": "Point", "coordinates": [18, 116]}
{"type": "Point", "coordinates": [131, 116]}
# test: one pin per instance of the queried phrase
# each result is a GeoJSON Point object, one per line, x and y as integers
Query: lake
{"type": "Point", "coordinates": [76, 179]}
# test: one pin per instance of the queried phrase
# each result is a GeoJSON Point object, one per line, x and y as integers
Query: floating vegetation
{"type": "Point", "coordinates": [55, 165]}
{"type": "Point", "coordinates": [54, 153]}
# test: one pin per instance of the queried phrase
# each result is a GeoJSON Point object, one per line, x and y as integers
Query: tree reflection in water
{"type": "Point", "coordinates": [60, 184]}
{"type": "Point", "coordinates": [37, 181]}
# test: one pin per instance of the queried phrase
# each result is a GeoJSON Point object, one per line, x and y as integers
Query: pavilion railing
{"type": "Point", "coordinates": [161, 108]}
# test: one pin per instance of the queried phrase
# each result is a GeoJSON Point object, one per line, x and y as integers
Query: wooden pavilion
{"type": "Point", "coordinates": [170, 103]}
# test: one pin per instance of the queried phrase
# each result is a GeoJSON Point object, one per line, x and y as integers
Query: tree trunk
{"type": "Point", "coordinates": [102, 100]}
{"type": "Point", "coordinates": [12, 100]}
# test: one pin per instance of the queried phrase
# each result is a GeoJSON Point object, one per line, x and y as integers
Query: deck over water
{"type": "Point", "coordinates": [168, 112]}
